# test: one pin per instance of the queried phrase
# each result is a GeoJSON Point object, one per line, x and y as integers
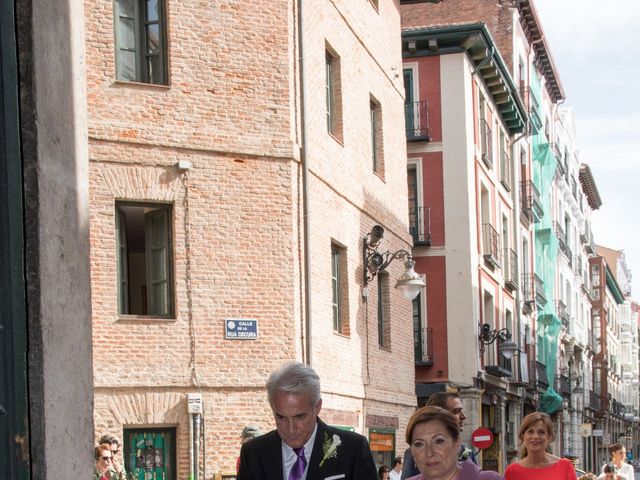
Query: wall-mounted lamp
{"type": "Point", "coordinates": [488, 336]}
{"type": "Point", "coordinates": [409, 284]}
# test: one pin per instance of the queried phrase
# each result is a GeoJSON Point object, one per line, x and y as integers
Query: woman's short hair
{"type": "Point", "coordinates": [294, 377]}
{"type": "Point", "coordinates": [615, 447]}
{"type": "Point", "coordinates": [101, 448]}
{"type": "Point", "coordinates": [430, 414]}
{"type": "Point", "coordinates": [529, 420]}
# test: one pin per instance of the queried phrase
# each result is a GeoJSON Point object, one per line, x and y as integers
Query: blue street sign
{"type": "Point", "coordinates": [240, 329]}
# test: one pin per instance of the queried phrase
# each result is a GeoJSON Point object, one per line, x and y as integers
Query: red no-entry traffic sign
{"type": "Point", "coordinates": [482, 438]}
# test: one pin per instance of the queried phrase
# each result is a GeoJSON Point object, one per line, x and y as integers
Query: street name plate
{"type": "Point", "coordinates": [240, 329]}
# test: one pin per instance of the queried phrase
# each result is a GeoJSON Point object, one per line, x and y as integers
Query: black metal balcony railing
{"type": "Point", "coordinates": [562, 241]}
{"type": "Point", "coordinates": [530, 201]}
{"type": "Point", "coordinates": [528, 287]}
{"type": "Point", "coordinates": [555, 148]}
{"type": "Point", "coordinates": [505, 169]}
{"type": "Point", "coordinates": [540, 296]}
{"type": "Point", "coordinates": [420, 225]}
{"type": "Point", "coordinates": [563, 386]}
{"type": "Point", "coordinates": [594, 401]}
{"type": "Point", "coordinates": [490, 245]}
{"type": "Point", "coordinates": [563, 315]}
{"type": "Point", "coordinates": [543, 380]}
{"type": "Point", "coordinates": [498, 365]}
{"type": "Point", "coordinates": [532, 106]}
{"type": "Point", "coordinates": [511, 269]}
{"type": "Point", "coordinates": [416, 121]}
{"type": "Point", "coordinates": [486, 143]}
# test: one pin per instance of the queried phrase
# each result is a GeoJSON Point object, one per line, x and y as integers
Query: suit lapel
{"type": "Point", "coordinates": [272, 458]}
{"type": "Point", "coordinates": [316, 455]}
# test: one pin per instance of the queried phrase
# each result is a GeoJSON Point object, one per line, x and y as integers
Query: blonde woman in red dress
{"type": "Point", "coordinates": [536, 434]}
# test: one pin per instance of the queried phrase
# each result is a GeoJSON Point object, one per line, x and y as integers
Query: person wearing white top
{"type": "Point", "coordinates": [396, 469]}
{"type": "Point", "coordinates": [618, 454]}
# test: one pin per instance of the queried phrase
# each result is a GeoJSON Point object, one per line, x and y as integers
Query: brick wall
{"type": "Point", "coordinates": [231, 109]}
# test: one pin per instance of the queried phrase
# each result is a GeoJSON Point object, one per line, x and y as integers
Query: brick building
{"type": "Point", "coordinates": [234, 172]}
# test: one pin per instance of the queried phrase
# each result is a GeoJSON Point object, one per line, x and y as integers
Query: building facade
{"type": "Point", "coordinates": [239, 155]}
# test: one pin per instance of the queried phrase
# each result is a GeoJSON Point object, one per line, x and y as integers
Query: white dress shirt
{"type": "Point", "coordinates": [289, 457]}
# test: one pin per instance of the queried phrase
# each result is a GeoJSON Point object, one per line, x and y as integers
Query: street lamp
{"type": "Point", "coordinates": [487, 336]}
{"type": "Point", "coordinates": [409, 284]}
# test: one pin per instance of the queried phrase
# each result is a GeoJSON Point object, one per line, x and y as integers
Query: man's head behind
{"type": "Point", "coordinates": [294, 396]}
{"type": "Point", "coordinates": [451, 402]}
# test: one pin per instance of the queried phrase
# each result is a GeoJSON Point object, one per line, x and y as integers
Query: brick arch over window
{"type": "Point", "coordinates": [144, 183]}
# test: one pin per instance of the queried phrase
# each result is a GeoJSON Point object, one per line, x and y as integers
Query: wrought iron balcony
{"type": "Point", "coordinates": [505, 169]}
{"type": "Point", "coordinates": [563, 315]}
{"type": "Point", "coordinates": [594, 401]}
{"type": "Point", "coordinates": [511, 279]}
{"type": "Point", "coordinates": [420, 225]}
{"type": "Point", "coordinates": [490, 245]}
{"type": "Point", "coordinates": [563, 385]}
{"type": "Point", "coordinates": [530, 201]}
{"type": "Point", "coordinates": [498, 365]}
{"type": "Point", "coordinates": [486, 143]}
{"type": "Point", "coordinates": [416, 121]}
{"type": "Point", "coordinates": [541, 374]}
{"type": "Point", "coordinates": [533, 107]}
{"type": "Point", "coordinates": [562, 241]}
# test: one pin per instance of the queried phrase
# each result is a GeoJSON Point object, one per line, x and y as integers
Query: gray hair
{"type": "Point", "coordinates": [294, 377]}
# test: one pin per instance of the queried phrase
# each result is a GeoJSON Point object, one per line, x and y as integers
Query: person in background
{"type": "Point", "coordinates": [588, 476]}
{"type": "Point", "coordinates": [451, 402]}
{"type": "Point", "coordinates": [434, 436]}
{"type": "Point", "coordinates": [104, 462]}
{"type": "Point", "coordinates": [618, 454]}
{"type": "Point", "coordinates": [396, 469]}
{"type": "Point", "coordinates": [536, 434]}
{"type": "Point", "coordinates": [115, 445]}
{"type": "Point", "coordinates": [609, 472]}
{"type": "Point", "coordinates": [383, 472]}
{"type": "Point", "coordinates": [248, 433]}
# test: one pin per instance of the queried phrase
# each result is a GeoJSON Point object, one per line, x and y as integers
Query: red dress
{"type": "Point", "coordinates": [561, 470]}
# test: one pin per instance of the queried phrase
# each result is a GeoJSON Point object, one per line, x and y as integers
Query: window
{"type": "Point", "coordinates": [339, 290]}
{"type": "Point", "coordinates": [145, 273]}
{"type": "Point", "coordinates": [375, 114]}
{"type": "Point", "coordinates": [140, 41]}
{"type": "Point", "coordinates": [382, 442]}
{"type": "Point", "coordinates": [333, 93]}
{"type": "Point", "coordinates": [422, 342]}
{"type": "Point", "coordinates": [150, 452]}
{"type": "Point", "coordinates": [384, 327]}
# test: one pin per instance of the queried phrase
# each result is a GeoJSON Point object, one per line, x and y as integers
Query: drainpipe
{"type": "Point", "coordinates": [191, 452]}
{"type": "Point", "coordinates": [306, 331]}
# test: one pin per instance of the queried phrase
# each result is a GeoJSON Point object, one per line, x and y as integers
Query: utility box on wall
{"type": "Point", "coordinates": [194, 403]}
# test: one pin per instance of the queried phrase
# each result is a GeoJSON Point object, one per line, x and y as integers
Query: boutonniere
{"type": "Point", "coordinates": [330, 447]}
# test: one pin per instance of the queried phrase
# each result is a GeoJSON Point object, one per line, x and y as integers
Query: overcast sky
{"type": "Point", "coordinates": [594, 45]}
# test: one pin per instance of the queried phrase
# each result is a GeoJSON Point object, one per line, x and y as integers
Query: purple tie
{"type": "Point", "coordinates": [298, 468]}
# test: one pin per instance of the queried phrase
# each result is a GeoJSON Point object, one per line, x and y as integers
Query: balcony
{"type": "Point", "coordinates": [530, 201]}
{"type": "Point", "coordinates": [563, 315]}
{"type": "Point", "coordinates": [416, 121]}
{"type": "Point", "coordinates": [594, 401]}
{"type": "Point", "coordinates": [486, 143]}
{"type": "Point", "coordinates": [541, 374]}
{"type": "Point", "coordinates": [420, 225]}
{"type": "Point", "coordinates": [562, 241]}
{"type": "Point", "coordinates": [533, 107]}
{"type": "Point", "coordinates": [577, 268]}
{"type": "Point", "coordinates": [586, 237]}
{"type": "Point", "coordinates": [561, 168]}
{"type": "Point", "coordinates": [490, 245]}
{"type": "Point", "coordinates": [423, 346]}
{"type": "Point", "coordinates": [505, 169]}
{"type": "Point", "coordinates": [500, 367]}
{"type": "Point", "coordinates": [510, 269]}
{"type": "Point", "coordinates": [563, 386]}
{"type": "Point", "coordinates": [528, 293]}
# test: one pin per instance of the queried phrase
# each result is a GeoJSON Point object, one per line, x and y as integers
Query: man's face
{"type": "Point", "coordinates": [454, 405]}
{"type": "Point", "coordinates": [295, 417]}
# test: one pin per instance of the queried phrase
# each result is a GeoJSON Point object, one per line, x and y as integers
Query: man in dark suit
{"type": "Point", "coordinates": [303, 447]}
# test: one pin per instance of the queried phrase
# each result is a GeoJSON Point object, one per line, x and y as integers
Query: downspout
{"type": "Point", "coordinates": [306, 331]}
